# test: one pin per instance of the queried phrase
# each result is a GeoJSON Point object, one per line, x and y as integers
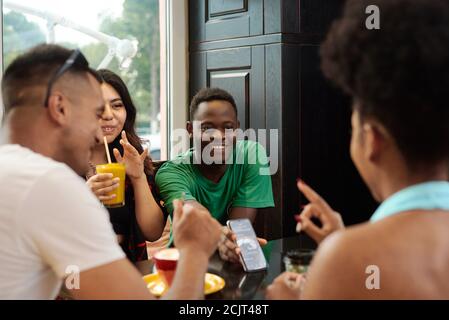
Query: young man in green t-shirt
{"type": "Point", "coordinates": [228, 177]}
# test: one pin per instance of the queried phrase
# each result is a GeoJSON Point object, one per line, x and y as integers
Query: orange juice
{"type": "Point", "coordinates": [118, 171]}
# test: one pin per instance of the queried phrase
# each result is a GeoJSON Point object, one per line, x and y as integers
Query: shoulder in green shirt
{"type": "Point", "coordinates": [244, 184]}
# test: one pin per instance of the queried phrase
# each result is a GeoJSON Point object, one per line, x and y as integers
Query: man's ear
{"type": "Point", "coordinates": [373, 140]}
{"type": "Point", "coordinates": [57, 108]}
{"type": "Point", "coordinates": [238, 123]}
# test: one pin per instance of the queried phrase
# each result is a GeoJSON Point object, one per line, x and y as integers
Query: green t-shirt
{"type": "Point", "coordinates": [246, 182]}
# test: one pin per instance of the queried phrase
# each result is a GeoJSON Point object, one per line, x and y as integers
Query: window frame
{"type": "Point", "coordinates": [174, 75]}
{"type": "Point", "coordinates": [176, 71]}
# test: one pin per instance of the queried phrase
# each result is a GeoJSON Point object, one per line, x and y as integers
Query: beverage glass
{"type": "Point", "coordinates": [298, 260]}
{"type": "Point", "coordinates": [166, 261]}
{"type": "Point", "coordinates": [118, 171]}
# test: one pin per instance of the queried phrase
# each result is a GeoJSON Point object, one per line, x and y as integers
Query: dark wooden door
{"type": "Point", "coordinates": [266, 54]}
{"type": "Point", "coordinates": [225, 19]}
{"type": "Point", "coordinates": [240, 71]}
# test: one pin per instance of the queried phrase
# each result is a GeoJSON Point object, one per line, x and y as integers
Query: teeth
{"type": "Point", "coordinates": [108, 129]}
{"type": "Point", "coordinates": [219, 147]}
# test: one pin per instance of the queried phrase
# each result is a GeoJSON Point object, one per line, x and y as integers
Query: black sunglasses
{"type": "Point", "coordinates": [76, 58]}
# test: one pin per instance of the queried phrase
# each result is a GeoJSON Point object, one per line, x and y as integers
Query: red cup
{"type": "Point", "coordinates": [166, 261]}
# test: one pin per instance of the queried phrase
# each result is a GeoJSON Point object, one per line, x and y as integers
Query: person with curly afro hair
{"type": "Point", "coordinates": [398, 78]}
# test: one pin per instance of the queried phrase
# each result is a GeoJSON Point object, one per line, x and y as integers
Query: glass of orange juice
{"type": "Point", "coordinates": [118, 171]}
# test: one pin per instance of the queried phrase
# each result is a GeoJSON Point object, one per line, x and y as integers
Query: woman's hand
{"type": "Point", "coordinates": [103, 183]}
{"type": "Point", "coordinates": [287, 286]}
{"type": "Point", "coordinates": [133, 161]}
{"type": "Point", "coordinates": [330, 220]}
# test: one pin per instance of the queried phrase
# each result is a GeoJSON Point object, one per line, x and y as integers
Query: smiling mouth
{"type": "Point", "coordinates": [108, 130]}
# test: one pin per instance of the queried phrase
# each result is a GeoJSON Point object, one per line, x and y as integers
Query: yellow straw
{"type": "Point", "coordinates": [107, 149]}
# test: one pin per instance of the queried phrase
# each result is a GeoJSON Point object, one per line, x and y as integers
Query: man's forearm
{"type": "Point", "coordinates": [242, 213]}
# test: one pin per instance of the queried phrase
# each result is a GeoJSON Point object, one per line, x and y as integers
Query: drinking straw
{"type": "Point", "coordinates": [107, 149]}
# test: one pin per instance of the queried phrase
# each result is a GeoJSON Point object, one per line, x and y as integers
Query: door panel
{"type": "Point", "coordinates": [237, 84]}
{"type": "Point", "coordinates": [225, 19]}
{"type": "Point", "coordinates": [225, 7]}
{"type": "Point", "coordinates": [229, 58]}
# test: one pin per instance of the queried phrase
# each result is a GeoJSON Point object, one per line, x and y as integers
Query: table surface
{"type": "Point", "coordinates": [241, 285]}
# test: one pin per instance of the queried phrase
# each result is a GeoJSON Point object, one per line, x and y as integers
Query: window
{"type": "Point", "coordinates": [121, 35]}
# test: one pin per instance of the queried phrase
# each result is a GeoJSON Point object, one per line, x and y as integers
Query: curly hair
{"type": "Point", "coordinates": [399, 74]}
{"type": "Point", "coordinates": [210, 94]}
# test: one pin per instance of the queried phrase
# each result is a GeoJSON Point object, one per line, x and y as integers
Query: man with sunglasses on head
{"type": "Point", "coordinates": [53, 230]}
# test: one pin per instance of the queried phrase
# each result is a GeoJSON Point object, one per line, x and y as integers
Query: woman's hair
{"type": "Point", "coordinates": [117, 83]}
{"type": "Point", "coordinates": [398, 74]}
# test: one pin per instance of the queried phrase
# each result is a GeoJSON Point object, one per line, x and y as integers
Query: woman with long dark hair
{"type": "Point", "coordinates": [143, 217]}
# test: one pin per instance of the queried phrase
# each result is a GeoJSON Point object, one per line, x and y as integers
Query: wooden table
{"type": "Point", "coordinates": [242, 285]}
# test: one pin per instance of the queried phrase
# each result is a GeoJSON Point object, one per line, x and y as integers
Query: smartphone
{"type": "Point", "coordinates": [251, 254]}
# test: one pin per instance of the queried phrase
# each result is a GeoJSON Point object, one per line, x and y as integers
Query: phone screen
{"type": "Point", "coordinates": [251, 253]}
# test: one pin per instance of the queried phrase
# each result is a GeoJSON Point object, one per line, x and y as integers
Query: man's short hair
{"type": "Point", "coordinates": [210, 94]}
{"type": "Point", "coordinates": [35, 68]}
{"type": "Point", "coordinates": [398, 74]}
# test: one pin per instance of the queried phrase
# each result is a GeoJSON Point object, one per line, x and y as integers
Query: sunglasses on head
{"type": "Point", "coordinates": [75, 59]}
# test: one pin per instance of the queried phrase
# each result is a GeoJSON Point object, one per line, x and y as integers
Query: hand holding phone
{"type": "Point", "coordinates": [251, 254]}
